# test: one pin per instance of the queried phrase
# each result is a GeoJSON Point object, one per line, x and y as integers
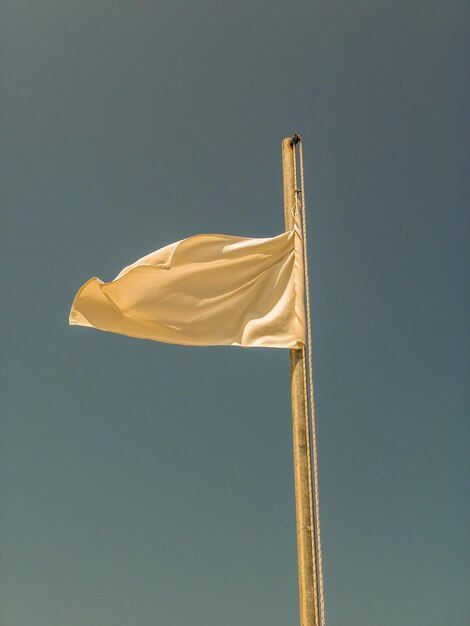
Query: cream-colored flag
{"type": "Point", "coordinates": [205, 290]}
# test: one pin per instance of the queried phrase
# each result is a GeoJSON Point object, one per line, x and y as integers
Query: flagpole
{"type": "Point", "coordinates": [306, 549]}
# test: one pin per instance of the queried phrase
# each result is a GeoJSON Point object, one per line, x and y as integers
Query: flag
{"type": "Point", "coordinates": [206, 290]}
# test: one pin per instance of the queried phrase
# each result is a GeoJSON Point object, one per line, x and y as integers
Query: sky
{"type": "Point", "coordinates": [147, 484]}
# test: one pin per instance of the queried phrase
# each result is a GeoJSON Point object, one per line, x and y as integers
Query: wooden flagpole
{"type": "Point", "coordinates": [306, 549]}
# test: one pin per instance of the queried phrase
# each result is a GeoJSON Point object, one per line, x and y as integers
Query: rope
{"type": "Point", "coordinates": [310, 491]}
{"type": "Point", "coordinates": [316, 495]}
{"type": "Point", "coordinates": [307, 427]}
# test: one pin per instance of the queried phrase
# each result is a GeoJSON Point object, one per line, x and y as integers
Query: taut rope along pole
{"type": "Point", "coordinates": [305, 524]}
{"type": "Point", "coordinates": [312, 396]}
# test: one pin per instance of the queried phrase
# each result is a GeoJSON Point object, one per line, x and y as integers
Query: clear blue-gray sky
{"type": "Point", "coordinates": [146, 484]}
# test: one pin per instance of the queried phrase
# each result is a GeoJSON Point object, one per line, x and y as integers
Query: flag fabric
{"type": "Point", "coordinates": [206, 290]}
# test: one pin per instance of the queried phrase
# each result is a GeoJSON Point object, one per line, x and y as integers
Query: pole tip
{"type": "Point", "coordinates": [295, 139]}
